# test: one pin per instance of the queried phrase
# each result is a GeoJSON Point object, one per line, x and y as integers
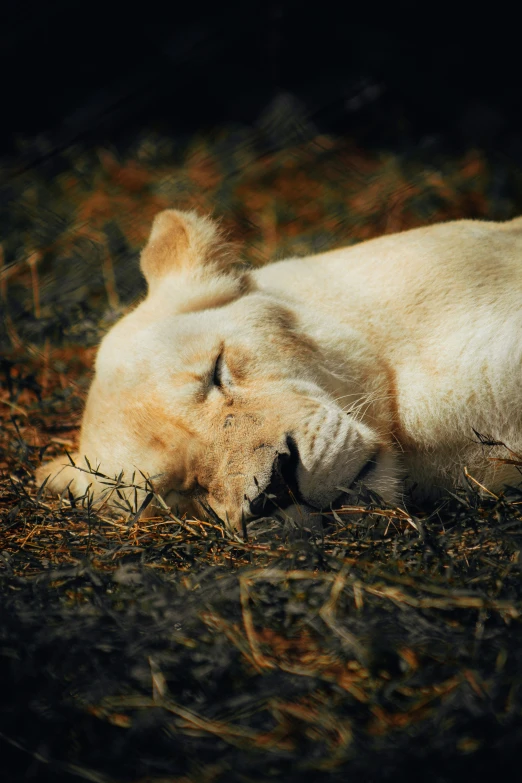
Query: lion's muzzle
{"type": "Point", "coordinates": [282, 489]}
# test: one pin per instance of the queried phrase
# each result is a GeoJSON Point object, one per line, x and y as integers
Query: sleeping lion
{"type": "Point", "coordinates": [288, 387]}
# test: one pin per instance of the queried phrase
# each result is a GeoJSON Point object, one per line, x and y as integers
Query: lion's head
{"type": "Point", "coordinates": [214, 387]}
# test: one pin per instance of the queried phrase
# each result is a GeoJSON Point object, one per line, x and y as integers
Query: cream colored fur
{"type": "Point", "coordinates": [387, 354]}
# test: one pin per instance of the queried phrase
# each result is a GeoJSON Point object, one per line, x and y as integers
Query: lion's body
{"type": "Point", "coordinates": [380, 359]}
{"type": "Point", "coordinates": [442, 308]}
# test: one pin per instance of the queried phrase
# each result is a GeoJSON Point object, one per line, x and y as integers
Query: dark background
{"type": "Point", "coordinates": [400, 75]}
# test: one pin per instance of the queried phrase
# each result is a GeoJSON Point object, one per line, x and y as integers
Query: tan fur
{"type": "Point", "coordinates": [393, 350]}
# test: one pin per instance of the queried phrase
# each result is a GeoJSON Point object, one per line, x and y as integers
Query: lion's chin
{"type": "Point", "coordinates": [380, 474]}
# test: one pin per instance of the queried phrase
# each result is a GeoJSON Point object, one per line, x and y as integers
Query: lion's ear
{"type": "Point", "coordinates": [182, 241]}
{"type": "Point", "coordinates": [187, 258]}
{"type": "Point", "coordinates": [60, 473]}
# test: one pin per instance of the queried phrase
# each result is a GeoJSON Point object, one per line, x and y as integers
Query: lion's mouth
{"type": "Point", "coordinates": [283, 489]}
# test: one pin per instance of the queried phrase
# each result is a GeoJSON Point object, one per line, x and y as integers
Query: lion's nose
{"type": "Point", "coordinates": [282, 489]}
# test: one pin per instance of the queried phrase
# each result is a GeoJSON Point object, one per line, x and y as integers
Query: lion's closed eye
{"type": "Point", "coordinates": [221, 376]}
